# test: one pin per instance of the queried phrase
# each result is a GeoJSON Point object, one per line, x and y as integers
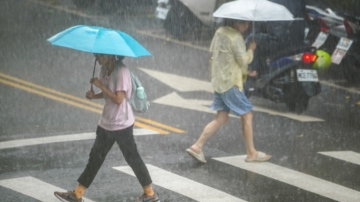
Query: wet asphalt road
{"type": "Point", "coordinates": [25, 113]}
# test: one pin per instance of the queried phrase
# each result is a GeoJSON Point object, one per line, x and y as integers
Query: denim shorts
{"type": "Point", "coordinates": [233, 100]}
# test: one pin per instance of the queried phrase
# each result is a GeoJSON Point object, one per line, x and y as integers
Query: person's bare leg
{"type": "Point", "coordinates": [220, 119]}
{"type": "Point", "coordinates": [247, 129]}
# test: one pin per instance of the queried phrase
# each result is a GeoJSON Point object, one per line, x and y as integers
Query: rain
{"type": "Point", "coordinates": [246, 100]}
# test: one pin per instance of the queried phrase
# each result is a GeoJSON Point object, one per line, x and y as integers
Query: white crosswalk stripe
{"type": "Point", "coordinates": [63, 138]}
{"type": "Point", "coordinates": [184, 186]}
{"type": "Point", "coordinates": [298, 179]}
{"type": "Point", "coordinates": [348, 156]}
{"type": "Point", "coordinates": [34, 188]}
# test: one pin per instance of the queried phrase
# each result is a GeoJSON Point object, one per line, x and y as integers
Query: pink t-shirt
{"type": "Point", "coordinates": [114, 116]}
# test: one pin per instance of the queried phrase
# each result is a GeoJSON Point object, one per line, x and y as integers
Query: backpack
{"type": "Point", "coordinates": [138, 99]}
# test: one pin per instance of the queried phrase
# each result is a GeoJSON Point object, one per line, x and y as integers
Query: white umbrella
{"type": "Point", "coordinates": [254, 10]}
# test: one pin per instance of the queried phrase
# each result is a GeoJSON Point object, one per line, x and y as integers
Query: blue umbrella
{"type": "Point", "coordinates": [99, 40]}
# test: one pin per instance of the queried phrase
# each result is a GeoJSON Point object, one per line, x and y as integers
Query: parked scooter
{"type": "Point", "coordinates": [339, 34]}
{"type": "Point", "coordinates": [350, 49]}
{"type": "Point", "coordinates": [289, 77]}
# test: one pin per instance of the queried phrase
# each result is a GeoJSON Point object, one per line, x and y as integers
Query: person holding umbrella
{"type": "Point", "coordinates": [117, 119]}
{"type": "Point", "coordinates": [115, 125]}
{"type": "Point", "coordinates": [230, 60]}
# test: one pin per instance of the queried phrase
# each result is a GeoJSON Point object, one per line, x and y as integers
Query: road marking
{"type": "Point", "coordinates": [34, 188]}
{"type": "Point", "coordinates": [78, 102]}
{"type": "Point", "coordinates": [65, 9]}
{"type": "Point", "coordinates": [176, 130]}
{"type": "Point", "coordinates": [157, 36]}
{"type": "Point", "coordinates": [173, 99]}
{"type": "Point", "coordinates": [294, 178]}
{"type": "Point", "coordinates": [351, 90]}
{"type": "Point", "coordinates": [302, 118]}
{"type": "Point", "coordinates": [336, 81]}
{"type": "Point", "coordinates": [63, 138]}
{"type": "Point", "coordinates": [50, 96]}
{"type": "Point", "coordinates": [141, 125]}
{"type": "Point", "coordinates": [180, 83]}
{"type": "Point", "coordinates": [348, 156]}
{"type": "Point", "coordinates": [183, 186]}
{"type": "Point", "coordinates": [52, 91]}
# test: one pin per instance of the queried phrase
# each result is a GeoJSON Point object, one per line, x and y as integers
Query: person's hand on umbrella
{"type": "Point", "coordinates": [90, 94]}
{"type": "Point", "coordinates": [96, 82]}
{"type": "Point", "coordinates": [252, 45]}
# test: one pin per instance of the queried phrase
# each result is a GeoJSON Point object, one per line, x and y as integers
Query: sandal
{"type": "Point", "coordinates": [200, 157]}
{"type": "Point", "coordinates": [261, 157]}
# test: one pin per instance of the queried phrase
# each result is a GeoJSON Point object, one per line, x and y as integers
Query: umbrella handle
{"type": "Point", "coordinates": [93, 73]}
{"type": "Point", "coordinates": [253, 29]}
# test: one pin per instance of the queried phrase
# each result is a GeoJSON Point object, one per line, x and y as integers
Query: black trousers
{"type": "Point", "coordinates": [102, 145]}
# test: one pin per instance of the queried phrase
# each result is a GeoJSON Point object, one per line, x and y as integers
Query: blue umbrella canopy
{"type": "Point", "coordinates": [95, 39]}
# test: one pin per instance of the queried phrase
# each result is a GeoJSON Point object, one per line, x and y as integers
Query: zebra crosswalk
{"type": "Point", "coordinates": [197, 191]}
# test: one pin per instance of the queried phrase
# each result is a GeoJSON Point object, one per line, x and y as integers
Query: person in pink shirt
{"type": "Point", "coordinates": [115, 125]}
